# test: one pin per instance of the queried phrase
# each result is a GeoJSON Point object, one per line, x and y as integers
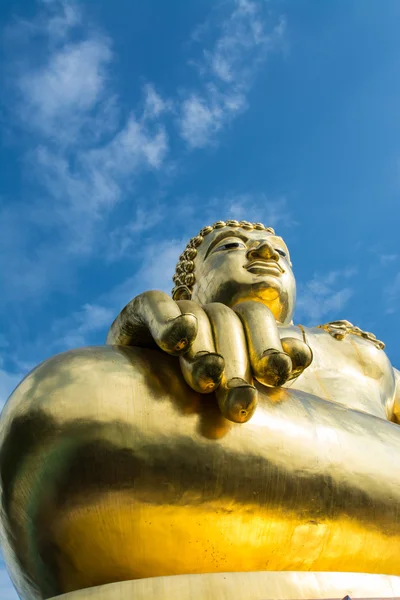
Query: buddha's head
{"type": "Point", "coordinates": [231, 262]}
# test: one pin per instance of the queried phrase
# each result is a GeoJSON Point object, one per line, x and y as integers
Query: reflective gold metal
{"type": "Point", "coordinates": [207, 437]}
{"type": "Point", "coordinates": [339, 330]}
{"type": "Point", "coordinates": [287, 585]}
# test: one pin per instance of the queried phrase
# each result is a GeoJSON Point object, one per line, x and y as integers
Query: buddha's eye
{"type": "Point", "coordinates": [230, 246]}
{"type": "Point", "coordinates": [280, 251]}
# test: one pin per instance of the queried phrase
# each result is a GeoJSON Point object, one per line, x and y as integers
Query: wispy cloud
{"type": "Point", "coordinates": [86, 154]}
{"type": "Point", "coordinates": [256, 207]}
{"type": "Point", "coordinates": [324, 296]}
{"type": "Point", "coordinates": [76, 330]}
{"type": "Point", "coordinates": [203, 115]}
{"type": "Point", "coordinates": [62, 16]}
{"type": "Point", "coordinates": [227, 71]}
{"type": "Point", "coordinates": [243, 36]}
{"type": "Point", "coordinates": [84, 326]}
{"type": "Point", "coordinates": [127, 239]}
{"type": "Point", "coordinates": [8, 381]}
{"type": "Point", "coordinates": [86, 158]}
{"type": "Point", "coordinates": [387, 260]}
{"type": "Point", "coordinates": [57, 98]}
{"type": "Point", "coordinates": [154, 104]}
{"type": "Point", "coordinates": [392, 294]}
{"type": "Point", "coordinates": [83, 155]}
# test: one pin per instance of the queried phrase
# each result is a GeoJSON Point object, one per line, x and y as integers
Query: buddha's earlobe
{"type": "Point", "coordinates": [181, 293]}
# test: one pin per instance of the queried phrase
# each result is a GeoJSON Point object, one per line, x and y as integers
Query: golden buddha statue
{"type": "Point", "coordinates": [211, 448]}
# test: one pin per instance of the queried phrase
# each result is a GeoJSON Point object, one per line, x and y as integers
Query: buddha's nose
{"type": "Point", "coordinates": [263, 251]}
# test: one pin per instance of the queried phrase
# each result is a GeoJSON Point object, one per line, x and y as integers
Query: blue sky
{"type": "Point", "coordinates": [127, 126]}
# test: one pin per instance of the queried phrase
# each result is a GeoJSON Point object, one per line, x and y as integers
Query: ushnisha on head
{"type": "Point", "coordinates": [235, 261]}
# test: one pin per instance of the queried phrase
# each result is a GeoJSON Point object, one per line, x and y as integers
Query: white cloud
{"type": "Point", "coordinates": [324, 297]}
{"type": "Point", "coordinates": [227, 70]}
{"type": "Point", "coordinates": [199, 120]}
{"type": "Point", "coordinates": [86, 188]}
{"type": "Point", "coordinates": [54, 19]}
{"type": "Point", "coordinates": [203, 115]}
{"type": "Point", "coordinates": [73, 107]}
{"type": "Point", "coordinates": [91, 318]}
{"type": "Point", "coordinates": [85, 155]}
{"type": "Point", "coordinates": [65, 16]}
{"type": "Point", "coordinates": [242, 33]}
{"type": "Point", "coordinates": [154, 104]}
{"type": "Point", "coordinates": [133, 147]}
{"type": "Point", "coordinates": [127, 238]}
{"type": "Point", "coordinates": [58, 98]}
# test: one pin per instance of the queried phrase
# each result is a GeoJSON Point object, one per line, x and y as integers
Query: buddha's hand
{"type": "Point", "coordinates": [220, 349]}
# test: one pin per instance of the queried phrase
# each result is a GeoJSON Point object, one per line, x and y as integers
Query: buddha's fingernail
{"type": "Point", "coordinates": [299, 352]}
{"type": "Point", "coordinates": [179, 334]}
{"type": "Point", "coordinates": [207, 371]}
{"type": "Point", "coordinates": [275, 367]}
{"type": "Point", "coordinates": [238, 401]}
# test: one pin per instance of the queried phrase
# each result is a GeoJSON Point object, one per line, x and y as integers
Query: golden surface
{"type": "Point", "coordinates": [264, 447]}
{"type": "Point", "coordinates": [248, 586]}
{"type": "Point", "coordinates": [116, 470]}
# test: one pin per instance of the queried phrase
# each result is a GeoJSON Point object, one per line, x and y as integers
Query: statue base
{"type": "Point", "coordinates": [264, 585]}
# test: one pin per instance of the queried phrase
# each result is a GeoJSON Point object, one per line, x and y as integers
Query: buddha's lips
{"type": "Point", "coordinates": [264, 266]}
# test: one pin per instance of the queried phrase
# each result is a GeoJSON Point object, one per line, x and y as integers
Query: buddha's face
{"type": "Point", "coordinates": [235, 265]}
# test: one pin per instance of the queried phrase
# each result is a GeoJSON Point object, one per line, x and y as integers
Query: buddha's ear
{"type": "Point", "coordinates": [181, 293]}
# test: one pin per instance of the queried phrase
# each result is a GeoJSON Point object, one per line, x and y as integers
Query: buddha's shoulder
{"type": "Point", "coordinates": [339, 330]}
{"type": "Point", "coordinates": [342, 345]}
{"type": "Point", "coordinates": [341, 335]}
{"type": "Point", "coordinates": [334, 331]}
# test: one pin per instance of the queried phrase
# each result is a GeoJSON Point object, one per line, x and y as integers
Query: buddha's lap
{"type": "Point", "coordinates": [110, 458]}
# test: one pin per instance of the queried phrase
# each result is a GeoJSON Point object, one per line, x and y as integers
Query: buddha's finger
{"type": "Point", "coordinates": [154, 316]}
{"type": "Point", "coordinates": [271, 364]}
{"type": "Point", "coordinates": [300, 353]}
{"type": "Point", "coordinates": [202, 367]}
{"type": "Point", "coordinates": [237, 396]}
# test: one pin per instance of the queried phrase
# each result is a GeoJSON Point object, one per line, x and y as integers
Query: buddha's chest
{"type": "Point", "coordinates": [352, 372]}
